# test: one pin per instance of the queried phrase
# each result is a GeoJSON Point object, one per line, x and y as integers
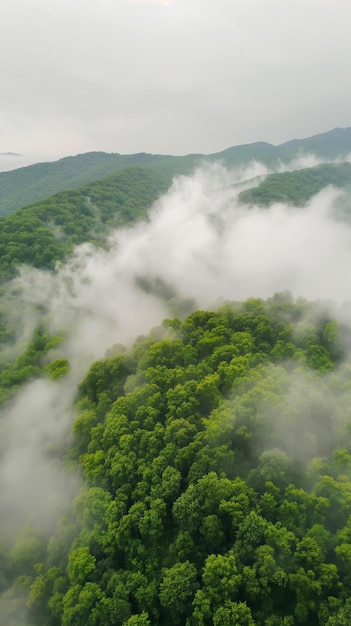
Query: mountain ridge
{"type": "Point", "coordinates": [26, 185]}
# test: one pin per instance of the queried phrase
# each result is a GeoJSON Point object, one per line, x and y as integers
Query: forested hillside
{"type": "Point", "coordinates": [45, 232]}
{"type": "Point", "coordinates": [297, 187]}
{"type": "Point", "coordinates": [26, 185]}
{"type": "Point", "coordinates": [217, 487]}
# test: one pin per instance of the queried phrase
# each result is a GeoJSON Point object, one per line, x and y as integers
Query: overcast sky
{"type": "Point", "coordinates": [170, 77]}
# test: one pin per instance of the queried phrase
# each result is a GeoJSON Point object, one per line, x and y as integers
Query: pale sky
{"type": "Point", "coordinates": [170, 77]}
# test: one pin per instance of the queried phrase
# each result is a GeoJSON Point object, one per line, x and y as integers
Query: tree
{"type": "Point", "coordinates": [81, 565]}
{"type": "Point", "coordinates": [342, 617]}
{"type": "Point", "coordinates": [138, 620]}
{"type": "Point", "coordinates": [220, 584]}
{"type": "Point", "coordinates": [233, 614]}
{"type": "Point", "coordinates": [26, 553]}
{"type": "Point", "coordinates": [177, 589]}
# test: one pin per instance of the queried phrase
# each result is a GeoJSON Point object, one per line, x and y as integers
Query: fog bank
{"type": "Point", "coordinates": [200, 244]}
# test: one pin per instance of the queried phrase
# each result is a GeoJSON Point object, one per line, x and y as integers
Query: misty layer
{"type": "Point", "coordinates": [199, 244]}
{"type": "Point", "coordinates": [206, 245]}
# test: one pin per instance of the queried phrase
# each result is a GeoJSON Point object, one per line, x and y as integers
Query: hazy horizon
{"type": "Point", "coordinates": [179, 77]}
{"type": "Point", "coordinates": [11, 160]}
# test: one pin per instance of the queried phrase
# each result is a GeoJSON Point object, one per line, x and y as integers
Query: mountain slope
{"type": "Point", "coordinates": [299, 186]}
{"type": "Point", "coordinates": [328, 146]}
{"type": "Point", "coordinates": [46, 231]}
{"type": "Point", "coordinates": [28, 184]}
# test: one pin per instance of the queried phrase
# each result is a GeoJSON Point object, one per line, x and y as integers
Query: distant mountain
{"type": "Point", "coordinates": [330, 145]}
{"type": "Point", "coordinates": [28, 184]}
{"type": "Point", "coordinates": [327, 146]}
{"type": "Point", "coordinates": [10, 154]}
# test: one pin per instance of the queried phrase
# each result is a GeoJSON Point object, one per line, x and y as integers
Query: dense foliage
{"type": "Point", "coordinates": [298, 187]}
{"type": "Point", "coordinates": [29, 184]}
{"type": "Point", "coordinates": [45, 232]}
{"type": "Point", "coordinates": [216, 460]}
{"type": "Point", "coordinates": [35, 182]}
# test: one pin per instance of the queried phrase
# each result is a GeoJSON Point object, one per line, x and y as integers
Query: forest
{"type": "Point", "coordinates": [29, 184]}
{"type": "Point", "coordinates": [297, 187]}
{"type": "Point", "coordinates": [210, 456]}
{"type": "Point", "coordinates": [45, 232]}
{"type": "Point", "coordinates": [216, 463]}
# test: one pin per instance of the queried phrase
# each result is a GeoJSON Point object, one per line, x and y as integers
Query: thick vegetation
{"type": "Point", "coordinates": [297, 187]}
{"type": "Point", "coordinates": [29, 184]}
{"type": "Point", "coordinates": [47, 231]}
{"type": "Point", "coordinates": [216, 459]}
{"type": "Point", "coordinates": [35, 182]}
